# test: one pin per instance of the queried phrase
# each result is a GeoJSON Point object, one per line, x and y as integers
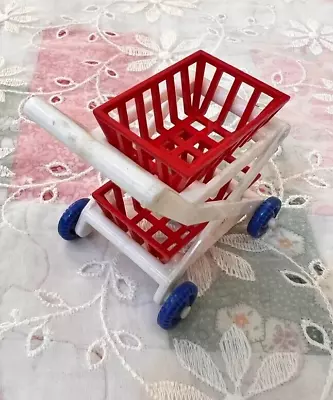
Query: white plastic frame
{"type": "Point", "coordinates": [188, 207]}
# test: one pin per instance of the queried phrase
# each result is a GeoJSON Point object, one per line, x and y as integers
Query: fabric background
{"type": "Point", "coordinates": [78, 320]}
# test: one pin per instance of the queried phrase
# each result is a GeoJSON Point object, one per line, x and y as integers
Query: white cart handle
{"type": "Point", "coordinates": [105, 158]}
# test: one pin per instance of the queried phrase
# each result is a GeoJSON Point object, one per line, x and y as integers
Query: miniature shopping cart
{"type": "Point", "coordinates": [181, 150]}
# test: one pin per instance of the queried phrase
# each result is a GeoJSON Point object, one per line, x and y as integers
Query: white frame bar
{"type": "Point", "coordinates": [165, 275]}
{"type": "Point", "coordinates": [93, 217]}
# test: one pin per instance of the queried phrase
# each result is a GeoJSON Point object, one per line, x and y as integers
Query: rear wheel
{"type": "Point", "coordinates": [68, 220]}
{"type": "Point", "coordinates": [178, 305]}
{"type": "Point", "coordinates": [263, 216]}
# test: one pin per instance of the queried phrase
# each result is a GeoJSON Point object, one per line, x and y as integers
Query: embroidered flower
{"type": "Point", "coordinates": [205, 270]}
{"type": "Point", "coordinates": [243, 316]}
{"type": "Point", "coordinates": [287, 241]}
{"type": "Point", "coordinates": [236, 352]}
{"type": "Point", "coordinates": [5, 172]}
{"type": "Point", "coordinates": [6, 78]}
{"type": "Point", "coordinates": [283, 336]}
{"type": "Point", "coordinates": [158, 55]}
{"type": "Point", "coordinates": [15, 17]}
{"type": "Point", "coordinates": [311, 35]}
{"type": "Point", "coordinates": [154, 8]}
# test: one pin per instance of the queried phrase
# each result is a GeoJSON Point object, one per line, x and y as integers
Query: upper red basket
{"type": "Point", "coordinates": [199, 133]}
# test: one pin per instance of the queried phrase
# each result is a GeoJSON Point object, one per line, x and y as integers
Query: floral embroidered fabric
{"type": "Point", "coordinates": [77, 320]}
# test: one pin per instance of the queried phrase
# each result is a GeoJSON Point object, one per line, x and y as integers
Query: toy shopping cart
{"type": "Point", "coordinates": [180, 150]}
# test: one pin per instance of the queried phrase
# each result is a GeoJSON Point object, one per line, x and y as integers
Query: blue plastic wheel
{"type": "Point", "coordinates": [177, 305]}
{"type": "Point", "coordinates": [267, 210]}
{"type": "Point", "coordinates": [68, 220]}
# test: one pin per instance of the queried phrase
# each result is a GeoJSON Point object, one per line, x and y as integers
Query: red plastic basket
{"type": "Point", "coordinates": [183, 153]}
{"type": "Point", "coordinates": [162, 237]}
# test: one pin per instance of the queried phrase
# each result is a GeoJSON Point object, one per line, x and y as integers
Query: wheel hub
{"type": "Point", "coordinates": [185, 312]}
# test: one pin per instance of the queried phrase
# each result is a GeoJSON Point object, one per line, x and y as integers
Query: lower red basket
{"type": "Point", "coordinates": [162, 237]}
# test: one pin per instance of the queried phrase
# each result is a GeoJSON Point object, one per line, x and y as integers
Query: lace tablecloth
{"type": "Point", "coordinates": [78, 320]}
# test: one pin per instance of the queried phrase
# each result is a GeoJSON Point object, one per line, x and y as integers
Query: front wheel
{"type": "Point", "coordinates": [178, 305]}
{"type": "Point", "coordinates": [267, 211]}
{"type": "Point", "coordinates": [68, 220]}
